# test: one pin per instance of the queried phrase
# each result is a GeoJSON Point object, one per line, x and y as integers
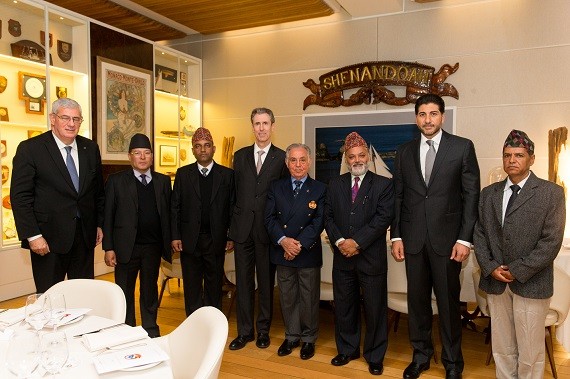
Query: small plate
{"type": "Point", "coordinates": [141, 367]}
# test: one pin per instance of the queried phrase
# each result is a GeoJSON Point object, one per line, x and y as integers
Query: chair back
{"type": "Point", "coordinates": [397, 280]}
{"type": "Point", "coordinates": [197, 345]}
{"type": "Point", "coordinates": [326, 271]}
{"type": "Point", "coordinates": [106, 299]}
{"type": "Point", "coordinates": [174, 269]}
{"type": "Point", "coordinates": [230, 267]}
{"type": "Point", "coordinates": [480, 295]}
{"type": "Point", "coordinates": [560, 301]}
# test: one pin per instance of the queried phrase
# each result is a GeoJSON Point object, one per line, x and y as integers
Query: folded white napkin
{"type": "Point", "coordinates": [12, 316]}
{"type": "Point", "coordinates": [113, 337]}
{"type": "Point", "coordinates": [68, 317]}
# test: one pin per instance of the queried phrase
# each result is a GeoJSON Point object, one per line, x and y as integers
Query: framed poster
{"type": "Point", "coordinates": [383, 131]}
{"type": "Point", "coordinates": [168, 155]}
{"type": "Point", "coordinates": [124, 107]}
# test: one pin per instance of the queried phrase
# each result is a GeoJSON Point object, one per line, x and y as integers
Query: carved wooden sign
{"type": "Point", "coordinates": [371, 79]}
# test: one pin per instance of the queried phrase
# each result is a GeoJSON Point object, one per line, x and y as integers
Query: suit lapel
{"type": "Point", "coordinates": [250, 160]}
{"type": "Point", "coordinates": [157, 192]}
{"type": "Point", "coordinates": [216, 180]}
{"type": "Point", "coordinates": [299, 203]}
{"type": "Point", "coordinates": [498, 202]}
{"type": "Point", "coordinates": [57, 158]}
{"type": "Point", "coordinates": [83, 163]}
{"type": "Point", "coordinates": [442, 150]}
{"type": "Point", "coordinates": [269, 160]}
{"type": "Point", "coordinates": [365, 186]}
{"type": "Point", "coordinates": [417, 162]}
{"type": "Point", "coordinates": [525, 194]}
{"type": "Point", "coordinates": [131, 185]}
{"type": "Point", "coordinates": [194, 179]}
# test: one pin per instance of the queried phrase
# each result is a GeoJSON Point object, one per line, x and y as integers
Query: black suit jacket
{"type": "Point", "coordinates": [44, 200]}
{"type": "Point", "coordinates": [447, 206]}
{"type": "Point", "coordinates": [301, 218]}
{"type": "Point", "coordinates": [121, 213]}
{"type": "Point", "coordinates": [186, 206]}
{"type": "Point", "coordinates": [366, 220]}
{"type": "Point", "coordinates": [251, 191]}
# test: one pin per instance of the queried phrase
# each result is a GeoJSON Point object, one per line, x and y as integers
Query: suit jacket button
{"type": "Point", "coordinates": [284, 226]}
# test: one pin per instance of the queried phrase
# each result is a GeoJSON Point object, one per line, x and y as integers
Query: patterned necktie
{"type": "Point", "coordinates": [143, 179]}
{"type": "Point", "coordinates": [71, 168]}
{"type": "Point", "coordinates": [515, 188]}
{"type": "Point", "coordinates": [204, 171]}
{"type": "Point", "coordinates": [259, 161]}
{"type": "Point", "coordinates": [355, 188]}
{"type": "Point", "coordinates": [430, 158]}
{"type": "Point", "coordinates": [297, 188]}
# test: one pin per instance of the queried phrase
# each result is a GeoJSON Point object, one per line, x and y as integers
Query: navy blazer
{"type": "Point", "coordinates": [366, 221]}
{"type": "Point", "coordinates": [301, 218]}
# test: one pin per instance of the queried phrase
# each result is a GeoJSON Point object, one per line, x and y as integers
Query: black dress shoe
{"type": "Point", "coordinates": [452, 374]}
{"type": "Point", "coordinates": [341, 359]}
{"type": "Point", "coordinates": [375, 368]}
{"type": "Point", "coordinates": [414, 370]}
{"type": "Point", "coordinates": [286, 347]}
{"type": "Point", "coordinates": [307, 350]}
{"type": "Point", "coordinates": [263, 340]}
{"type": "Point", "coordinates": [239, 342]}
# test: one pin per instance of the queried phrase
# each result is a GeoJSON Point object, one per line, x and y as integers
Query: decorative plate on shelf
{"type": "Point", "coordinates": [6, 202]}
{"type": "Point", "coordinates": [173, 133]}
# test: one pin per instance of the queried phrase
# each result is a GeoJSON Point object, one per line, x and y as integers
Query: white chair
{"type": "Point", "coordinates": [230, 279]}
{"type": "Point", "coordinates": [196, 346]}
{"type": "Point", "coordinates": [169, 271]}
{"type": "Point", "coordinates": [398, 298]}
{"type": "Point", "coordinates": [559, 306]}
{"type": "Point", "coordinates": [326, 271]}
{"type": "Point", "coordinates": [106, 299]}
{"type": "Point", "coordinates": [481, 298]}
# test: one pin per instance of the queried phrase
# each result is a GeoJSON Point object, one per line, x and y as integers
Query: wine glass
{"type": "Point", "coordinates": [22, 356]}
{"type": "Point", "coordinates": [58, 308]}
{"type": "Point", "coordinates": [38, 310]}
{"type": "Point", "coordinates": [54, 351]}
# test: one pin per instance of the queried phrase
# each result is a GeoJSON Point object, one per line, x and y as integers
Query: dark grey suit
{"type": "Point", "coordinates": [44, 201]}
{"type": "Point", "coordinates": [429, 220]}
{"type": "Point", "coordinates": [119, 235]}
{"type": "Point", "coordinates": [527, 243]}
{"type": "Point", "coordinates": [247, 230]}
{"type": "Point", "coordinates": [202, 255]}
{"type": "Point", "coordinates": [366, 221]}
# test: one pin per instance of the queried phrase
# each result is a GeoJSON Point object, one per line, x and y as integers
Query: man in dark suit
{"type": "Point", "coordinates": [437, 188]}
{"type": "Point", "coordinates": [255, 167]}
{"type": "Point", "coordinates": [359, 208]}
{"type": "Point", "coordinates": [294, 218]}
{"type": "Point", "coordinates": [58, 198]}
{"type": "Point", "coordinates": [137, 230]}
{"type": "Point", "coordinates": [517, 237]}
{"type": "Point", "coordinates": [202, 203]}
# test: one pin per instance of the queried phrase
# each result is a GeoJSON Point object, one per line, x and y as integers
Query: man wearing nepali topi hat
{"type": "Point", "coordinates": [518, 235]}
{"type": "Point", "coordinates": [359, 208]}
{"type": "Point", "coordinates": [137, 230]}
{"type": "Point", "coordinates": [202, 202]}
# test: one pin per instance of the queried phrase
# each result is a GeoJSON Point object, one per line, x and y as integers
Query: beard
{"type": "Point", "coordinates": [358, 169]}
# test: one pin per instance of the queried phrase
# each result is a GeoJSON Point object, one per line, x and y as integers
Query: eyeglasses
{"type": "Point", "coordinates": [66, 119]}
{"type": "Point", "coordinates": [141, 153]}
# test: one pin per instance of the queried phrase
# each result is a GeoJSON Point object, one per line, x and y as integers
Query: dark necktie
{"type": "Point", "coordinates": [259, 161]}
{"type": "Point", "coordinates": [204, 171]}
{"type": "Point", "coordinates": [355, 188]}
{"type": "Point", "coordinates": [297, 188]}
{"type": "Point", "coordinates": [71, 168]}
{"type": "Point", "coordinates": [143, 179]}
{"type": "Point", "coordinates": [430, 158]}
{"type": "Point", "coordinates": [515, 188]}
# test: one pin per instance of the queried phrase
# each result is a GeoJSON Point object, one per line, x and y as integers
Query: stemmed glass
{"type": "Point", "coordinates": [38, 311]}
{"type": "Point", "coordinates": [22, 356]}
{"type": "Point", "coordinates": [54, 351]}
{"type": "Point", "coordinates": [58, 308]}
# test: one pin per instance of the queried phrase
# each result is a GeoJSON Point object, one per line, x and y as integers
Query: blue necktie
{"type": "Point", "coordinates": [71, 168]}
{"type": "Point", "coordinates": [297, 188]}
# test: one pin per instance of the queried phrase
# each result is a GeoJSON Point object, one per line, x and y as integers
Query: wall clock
{"type": "Point", "coordinates": [32, 89]}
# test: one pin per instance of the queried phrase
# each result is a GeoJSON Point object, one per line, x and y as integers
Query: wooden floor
{"type": "Point", "coordinates": [252, 362]}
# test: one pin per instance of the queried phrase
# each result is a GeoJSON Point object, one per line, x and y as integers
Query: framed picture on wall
{"type": "Point", "coordinates": [383, 131]}
{"type": "Point", "coordinates": [168, 155]}
{"type": "Point", "coordinates": [124, 107]}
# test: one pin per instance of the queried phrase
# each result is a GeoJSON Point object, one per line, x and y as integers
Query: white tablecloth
{"type": "Point", "coordinates": [80, 357]}
{"type": "Point", "coordinates": [563, 330]}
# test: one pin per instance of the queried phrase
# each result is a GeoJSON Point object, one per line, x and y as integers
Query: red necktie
{"type": "Point", "coordinates": [355, 188]}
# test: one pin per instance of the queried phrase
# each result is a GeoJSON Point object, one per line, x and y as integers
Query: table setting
{"type": "Point", "coordinates": [39, 340]}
